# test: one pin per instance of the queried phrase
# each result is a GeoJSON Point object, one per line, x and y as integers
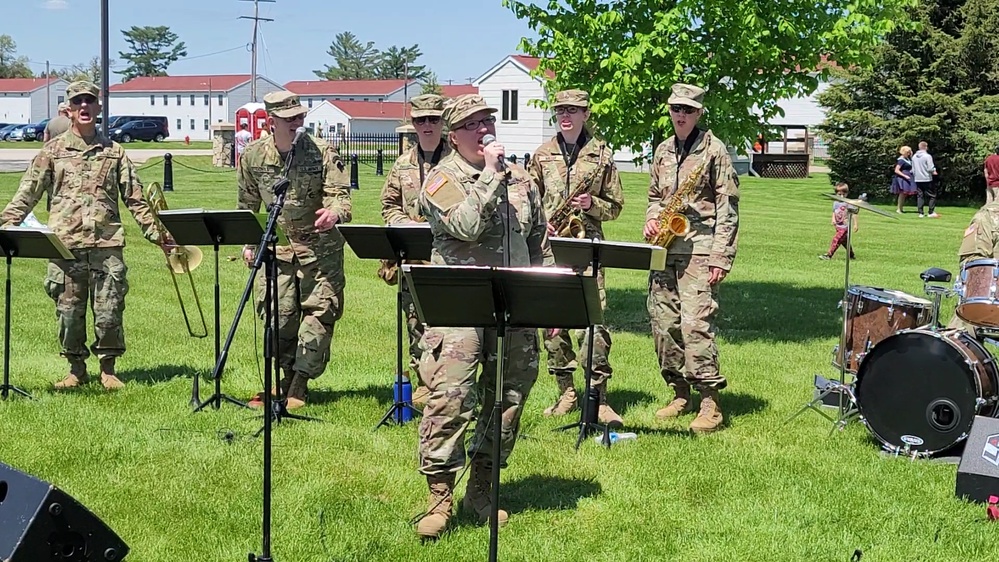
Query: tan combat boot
{"type": "Point", "coordinates": [478, 494]}
{"type": "Point", "coordinates": [297, 391]}
{"type": "Point", "coordinates": [710, 417]}
{"type": "Point", "coordinates": [567, 399]}
{"type": "Point", "coordinates": [77, 375]}
{"type": "Point", "coordinates": [108, 378]}
{"type": "Point", "coordinates": [679, 406]}
{"type": "Point", "coordinates": [438, 506]}
{"type": "Point", "coordinates": [258, 400]}
{"type": "Point", "coordinates": [605, 414]}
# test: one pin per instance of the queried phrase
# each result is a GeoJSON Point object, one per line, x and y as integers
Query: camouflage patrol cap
{"type": "Point", "coordinates": [463, 107]}
{"type": "Point", "coordinates": [685, 94]}
{"type": "Point", "coordinates": [578, 98]}
{"type": "Point", "coordinates": [81, 87]}
{"type": "Point", "coordinates": [427, 105]}
{"type": "Point", "coordinates": [284, 104]}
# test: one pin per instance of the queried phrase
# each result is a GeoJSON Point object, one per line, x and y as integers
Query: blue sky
{"type": "Point", "coordinates": [459, 38]}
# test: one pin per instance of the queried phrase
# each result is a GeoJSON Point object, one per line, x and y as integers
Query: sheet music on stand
{"type": "Point", "coordinates": [574, 252]}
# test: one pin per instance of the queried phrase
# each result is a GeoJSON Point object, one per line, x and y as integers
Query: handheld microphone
{"type": "Point", "coordinates": [298, 135]}
{"type": "Point", "coordinates": [486, 141]}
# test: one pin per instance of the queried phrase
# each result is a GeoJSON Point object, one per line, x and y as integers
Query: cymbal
{"type": "Point", "coordinates": [861, 205]}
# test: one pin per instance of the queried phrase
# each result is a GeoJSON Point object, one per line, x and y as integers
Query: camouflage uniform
{"type": "Point", "coordinates": [401, 205]}
{"type": "Point", "coordinates": [681, 303]}
{"type": "Point", "coordinates": [85, 180]}
{"type": "Point", "coordinates": [310, 269]}
{"type": "Point", "coordinates": [981, 241]}
{"type": "Point", "coordinates": [462, 205]}
{"type": "Point", "coordinates": [592, 171]}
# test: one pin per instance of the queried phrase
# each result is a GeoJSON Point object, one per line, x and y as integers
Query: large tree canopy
{"type": "Point", "coordinates": [937, 83]}
{"type": "Point", "coordinates": [628, 53]}
{"type": "Point", "coordinates": [152, 49]}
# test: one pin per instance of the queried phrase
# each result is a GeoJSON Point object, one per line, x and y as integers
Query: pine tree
{"type": "Point", "coordinates": [937, 83]}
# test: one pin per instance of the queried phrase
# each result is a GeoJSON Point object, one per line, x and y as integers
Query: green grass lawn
{"type": "Point", "coordinates": [759, 490]}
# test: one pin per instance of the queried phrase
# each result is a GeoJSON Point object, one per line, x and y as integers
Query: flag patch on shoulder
{"type": "Point", "coordinates": [436, 184]}
{"type": "Point", "coordinates": [970, 230]}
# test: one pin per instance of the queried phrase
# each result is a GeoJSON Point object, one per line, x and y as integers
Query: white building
{"type": "Point", "coordinates": [314, 92]}
{"type": "Point", "coordinates": [30, 100]}
{"type": "Point", "coordinates": [802, 114]}
{"type": "Point", "coordinates": [509, 87]}
{"type": "Point", "coordinates": [356, 117]}
{"type": "Point", "coordinates": [190, 103]}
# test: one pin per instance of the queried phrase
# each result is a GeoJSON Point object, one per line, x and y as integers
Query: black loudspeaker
{"type": "Point", "coordinates": [40, 523]}
{"type": "Point", "coordinates": [978, 473]}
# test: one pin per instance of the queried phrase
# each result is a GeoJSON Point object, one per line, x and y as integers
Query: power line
{"type": "Point", "coordinates": [256, 22]}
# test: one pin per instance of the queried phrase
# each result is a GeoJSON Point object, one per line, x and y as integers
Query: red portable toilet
{"type": "Point", "coordinates": [254, 115]}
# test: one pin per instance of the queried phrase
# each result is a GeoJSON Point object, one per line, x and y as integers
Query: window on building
{"type": "Point", "coordinates": [206, 99]}
{"type": "Point", "coordinates": [192, 124]}
{"type": "Point", "coordinates": [310, 103]}
{"type": "Point", "coordinates": [178, 99]}
{"type": "Point", "coordinates": [192, 99]}
{"type": "Point", "coordinates": [509, 110]}
{"type": "Point", "coordinates": [152, 100]}
{"type": "Point", "coordinates": [178, 124]}
{"type": "Point", "coordinates": [220, 99]}
{"type": "Point", "coordinates": [166, 99]}
{"type": "Point", "coordinates": [207, 124]}
{"type": "Point", "coordinates": [60, 99]}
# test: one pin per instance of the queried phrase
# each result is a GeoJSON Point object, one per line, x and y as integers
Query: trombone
{"type": "Point", "coordinates": [182, 260]}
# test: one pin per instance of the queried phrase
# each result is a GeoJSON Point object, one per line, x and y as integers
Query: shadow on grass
{"type": "Point", "coordinates": [162, 373]}
{"type": "Point", "coordinates": [381, 393]}
{"type": "Point", "coordinates": [624, 400]}
{"type": "Point", "coordinates": [546, 493]}
{"type": "Point", "coordinates": [748, 311]}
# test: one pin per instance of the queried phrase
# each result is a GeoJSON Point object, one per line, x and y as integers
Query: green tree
{"type": "Point", "coordinates": [431, 85]}
{"type": "Point", "coordinates": [394, 61]}
{"type": "Point", "coordinates": [11, 65]}
{"type": "Point", "coordinates": [937, 83]}
{"type": "Point", "coordinates": [628, 53]}
{"type": "Point", "coordinates": [352, 60]}
{"type": "Point", "coordinates": [152, 49]}
{"type": "Point", "coordinates": [90, 70]}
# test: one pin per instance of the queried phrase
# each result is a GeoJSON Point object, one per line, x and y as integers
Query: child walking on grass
{"type": "Point", "coordinates": [839, 220]}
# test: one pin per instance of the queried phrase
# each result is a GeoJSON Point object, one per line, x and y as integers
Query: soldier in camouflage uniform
{"type": "Point", "coordinates": [574, 162]}
{"type": "Point", "coordinates": [461, 201]}
{"type": "Point", "coordinates": [981, 241]}
{"type": "Point", "coordinates": [86, 175]}
{"type": "Point", "coordinates": [401, 205]}
{"type": "Point", "coordinates": [310, 269]}
{"type": "Point", "coordinates": [683, 299]}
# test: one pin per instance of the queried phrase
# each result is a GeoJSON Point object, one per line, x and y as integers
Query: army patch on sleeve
{"type": "Point", "coordinates": [444, 192]}
{"type": "Point", "coordinates": [971, 229]}
{"type": "Point", "coordinates": [435, 185]}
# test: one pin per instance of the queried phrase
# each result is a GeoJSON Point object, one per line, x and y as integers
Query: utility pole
{"type": "Point", "coordinates": [105, 64]}
{"type": "Point", "coordinates": [256, 21]}
{"type": "Point", "coordinates": [48, 102]}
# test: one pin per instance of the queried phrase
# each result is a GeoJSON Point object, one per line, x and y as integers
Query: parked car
{"type": "Point", "coordinates": [116, 121]}
{"type": "Point", "coordinates": [7, 130]}
{"type": "Point", "coordinates": [19, 134]}
{"type": "Point", "coordinates": [35, 130]}
{"type": "Point", "coordinates": [140, 130]}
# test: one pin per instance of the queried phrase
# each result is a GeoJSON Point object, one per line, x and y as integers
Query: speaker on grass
{"type": "Point", "coordinates": [978, 472]}
{"type": "Point", "coordinates": [40, 523]}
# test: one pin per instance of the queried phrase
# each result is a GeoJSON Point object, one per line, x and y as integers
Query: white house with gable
{"type": "Point", "coordinates": [356, 117]}
{"type": "Point", "coordinates": [190, 103]}
{"type": "Point", "coordinates": [509, 87]}
{"type": "Point", "coordinates": [30, 100]}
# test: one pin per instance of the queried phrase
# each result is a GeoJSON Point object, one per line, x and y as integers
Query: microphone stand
{"type": "Point", "coordinates": [497, 414]}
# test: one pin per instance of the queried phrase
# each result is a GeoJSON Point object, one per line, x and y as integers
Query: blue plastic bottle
{"type": "Point", "coordinates": [403, 415]}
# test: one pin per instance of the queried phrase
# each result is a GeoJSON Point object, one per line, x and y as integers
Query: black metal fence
{"type": "Point", "coordinates": [367, 146]}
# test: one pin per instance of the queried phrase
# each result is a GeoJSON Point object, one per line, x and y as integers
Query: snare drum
{"type": "Point", "coordinates": [976, 290]}
{"type": "Point", "coordinates": [918, 391]}
{"type": "Point", "coordinates": [872, 315]}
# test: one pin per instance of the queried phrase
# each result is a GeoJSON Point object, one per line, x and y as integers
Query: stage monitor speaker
{"type": "Point", "coordinates": [978, 472]}
{"type": "Point", "coordinates": [40, 523]}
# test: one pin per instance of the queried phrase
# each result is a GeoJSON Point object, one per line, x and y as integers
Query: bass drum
{"type": "Point", "coordinates": [918, 391]}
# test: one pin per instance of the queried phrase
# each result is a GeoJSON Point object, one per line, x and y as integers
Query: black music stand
{"type": "Point", "coordinates": [501, 298]}
{"type": "Point", "coordinates": [201, 227]}
{"type": "Point", "coordinates": [21, 242]}
{"type": "Point", "coordinates": [396, 243]}
{"type": "Point", "coordinates": [594, 254]}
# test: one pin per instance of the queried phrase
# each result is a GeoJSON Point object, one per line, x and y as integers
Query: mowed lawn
{"type": "Point", "coordinates": [762, 489]}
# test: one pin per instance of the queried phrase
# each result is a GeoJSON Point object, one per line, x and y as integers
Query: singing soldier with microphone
{"type": "Point", "coordinates": [310, 269]}
{"type": "Point", "coordinates": [481, 212]}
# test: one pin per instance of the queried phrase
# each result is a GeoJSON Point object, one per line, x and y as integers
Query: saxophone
{"type": "Point", "coordinates": [567, 221]}
{"type": "Point", "coordinates": [672, 222]}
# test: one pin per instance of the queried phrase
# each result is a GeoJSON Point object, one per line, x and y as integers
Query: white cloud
{"type": "Point", "coordinates": [55, 4]}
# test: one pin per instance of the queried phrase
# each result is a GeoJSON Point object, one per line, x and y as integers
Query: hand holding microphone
{"type": "Point", "coordinates": [494, 153]}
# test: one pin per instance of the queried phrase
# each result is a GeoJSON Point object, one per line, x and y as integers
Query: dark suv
{"type": "Point", "coordinates": [140, 130]}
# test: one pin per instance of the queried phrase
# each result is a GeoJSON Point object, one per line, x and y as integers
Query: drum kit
{"type": "Point", "coordinates": [917, 386]}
